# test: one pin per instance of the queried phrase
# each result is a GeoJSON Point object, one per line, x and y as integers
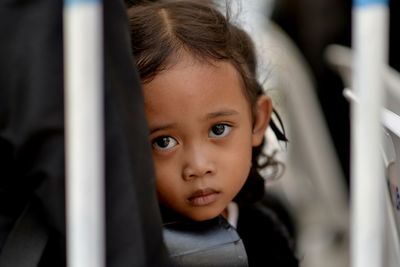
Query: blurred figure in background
{"type": "Point", "coordinates": [313, 25]}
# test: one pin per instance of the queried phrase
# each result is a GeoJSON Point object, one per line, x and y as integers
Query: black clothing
{"type": "Point", "coordinates": [265, 238]}
{"type": "Point", "coordinates": [32, 134]}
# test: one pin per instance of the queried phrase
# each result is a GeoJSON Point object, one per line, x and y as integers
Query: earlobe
{"type": "Point", "coordinates": [262, 115]}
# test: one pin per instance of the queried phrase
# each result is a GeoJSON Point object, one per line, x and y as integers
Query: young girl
{"type": "Point", "coordinates": [207, 116]}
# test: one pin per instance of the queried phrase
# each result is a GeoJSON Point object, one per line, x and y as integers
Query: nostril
{"type": "Point", "coordinates": [190, 175]}
{"type": "Point", "coordinates": [194, 173]}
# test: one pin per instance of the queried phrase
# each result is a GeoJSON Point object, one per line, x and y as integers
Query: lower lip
{"type": "Point", "coordinates": [203, 200]}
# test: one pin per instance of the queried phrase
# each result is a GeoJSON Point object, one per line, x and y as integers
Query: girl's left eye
{"type": "Point", "coordinates": [220, 130]}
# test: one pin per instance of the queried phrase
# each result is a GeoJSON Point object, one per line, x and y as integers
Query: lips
{"type": "Point", "coordinates": [203, 197]}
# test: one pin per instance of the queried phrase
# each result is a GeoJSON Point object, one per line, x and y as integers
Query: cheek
{"type": "Point", "coordinates": [237, 162]}
{"type": "Point", "coordinates": [163, 193]}
{"type": "Point", "coordinates": [166, 190]}
{"type": "Point", "coordinates": [242, 163]}
{"type": "Point", "coordinates": [164, 174]}
{"type": "Point", "coordinates": [167, 179]}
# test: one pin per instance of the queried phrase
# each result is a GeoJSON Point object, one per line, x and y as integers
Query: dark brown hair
{"type": "Point", "coordinates": [161, 31]}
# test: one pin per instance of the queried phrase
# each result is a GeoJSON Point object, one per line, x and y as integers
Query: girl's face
{"type": "Point", "coordinates": [202, 134]}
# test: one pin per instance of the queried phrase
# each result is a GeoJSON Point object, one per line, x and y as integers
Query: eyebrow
{"type": "Point", "coordinates": [220, 113]}
{"type": "Point", "coordinates": [161, 127]}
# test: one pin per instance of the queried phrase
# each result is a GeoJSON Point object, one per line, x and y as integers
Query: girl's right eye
{"type": "Point", "coordinates": [164, 143]}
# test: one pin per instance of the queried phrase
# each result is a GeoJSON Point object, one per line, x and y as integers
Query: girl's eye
{"type": "Point", "coordinates": [164, 143]}
{"type": "Point", "coordinates": [220, 130]}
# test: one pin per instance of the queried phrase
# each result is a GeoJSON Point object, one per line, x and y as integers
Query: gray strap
{"type": "Point", "coordinates": [26, 241]}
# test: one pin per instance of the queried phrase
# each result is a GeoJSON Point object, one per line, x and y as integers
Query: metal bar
{"type": "Point", "coordinates": [370, 35]}
{"type": "Point", "coordinates": [83, 66]}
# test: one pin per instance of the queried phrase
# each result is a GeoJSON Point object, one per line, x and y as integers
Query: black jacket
{"type": "Point", "coordinates": [32, 134]}
{"type": "Point", "coordinates": [265, 237]}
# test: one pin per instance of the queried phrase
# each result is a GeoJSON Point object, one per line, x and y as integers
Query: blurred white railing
{"type": "Point", "coordinates": [83, 80]}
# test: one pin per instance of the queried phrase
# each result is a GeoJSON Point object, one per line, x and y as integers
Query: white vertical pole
{"type": "Point", "coordinates": [83, 66]}
{"type": "Point", "coordinates": [370, 30]}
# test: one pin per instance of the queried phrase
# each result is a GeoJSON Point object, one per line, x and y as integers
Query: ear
{"type": "Point", "coordinates": [262, 115]}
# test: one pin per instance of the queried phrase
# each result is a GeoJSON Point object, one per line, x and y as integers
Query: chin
{"type": "Point", "coordinates": [203, 216]}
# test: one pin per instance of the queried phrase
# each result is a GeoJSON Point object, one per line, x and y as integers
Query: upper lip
{"type": "Point", "coordinates": [203, 192]}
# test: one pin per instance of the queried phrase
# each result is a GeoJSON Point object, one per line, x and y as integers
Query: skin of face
{"type": "Point", "coordinates": [202, 133]}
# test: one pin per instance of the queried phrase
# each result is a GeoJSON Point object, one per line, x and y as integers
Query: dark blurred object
{"type": "Point", "coordinates": [394, 39]}
{"type": "Point", "coordinates": [129, 3]}
{"type": "Point", "coordinates": [313, 25]}
{"type": "Point", "coordinates": [32, 135]}
{"type": "Point", "coordinates": [263, 227]}
{"type": "Point", "coordinates": [277, 205]}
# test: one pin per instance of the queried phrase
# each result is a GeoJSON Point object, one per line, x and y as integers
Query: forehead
{"type": "Point", "coordinates": [191, 81]}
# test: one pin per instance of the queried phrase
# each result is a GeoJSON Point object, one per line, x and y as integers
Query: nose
{"type": "Point", "coordinates": [198, 163]}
